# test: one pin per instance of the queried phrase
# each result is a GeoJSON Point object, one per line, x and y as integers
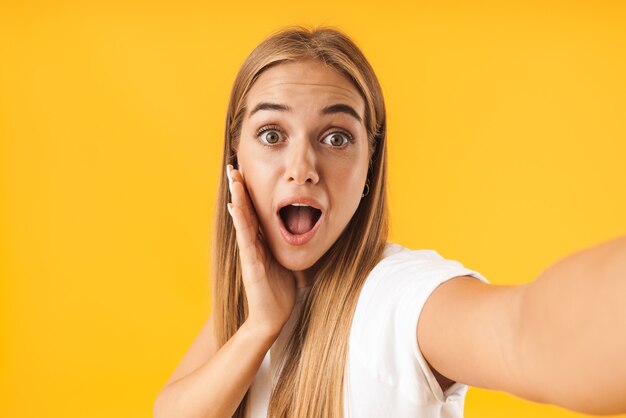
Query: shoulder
{"type": "Point", "coordinates": [383, 335]}
{"type": "Point", "coordinates": [401, 265]}
{"type": "Point", "coordinates": [404, 278]}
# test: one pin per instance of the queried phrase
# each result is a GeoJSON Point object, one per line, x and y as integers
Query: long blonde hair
{"type": "Point", "coordinates": [312, 375]}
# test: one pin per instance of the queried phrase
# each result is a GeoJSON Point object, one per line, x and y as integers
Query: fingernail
{"type": "Point", "coordinates": [229, 174]}
{"type": "Point", "coordinates": [230, 208]}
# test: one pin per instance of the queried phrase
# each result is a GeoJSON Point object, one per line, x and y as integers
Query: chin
{"type": "Point", "coordinates": [296, 259]}
{"type": "Point", "coordinates": [296, 264]}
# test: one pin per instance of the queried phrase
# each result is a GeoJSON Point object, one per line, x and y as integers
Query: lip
{"type": "Point", "coordinates": [309, 201]}
{"type": "Point", "coordinates": [307, 236]}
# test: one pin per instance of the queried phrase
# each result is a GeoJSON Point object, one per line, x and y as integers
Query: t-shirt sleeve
{"type": "Point", "coordinates": [438, 271]}
{"type": "Point", "coordinates": [386, 322]}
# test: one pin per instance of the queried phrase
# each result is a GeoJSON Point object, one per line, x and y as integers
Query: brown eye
{"type": "Point", "coordinates": [337, 139]}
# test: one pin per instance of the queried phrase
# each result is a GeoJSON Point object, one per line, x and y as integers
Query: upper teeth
{"type": "Point", "coordinates": [298, 204]}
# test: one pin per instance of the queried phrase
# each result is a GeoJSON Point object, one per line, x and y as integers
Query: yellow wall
{"type": "Point", "coordinates": [507, 151]}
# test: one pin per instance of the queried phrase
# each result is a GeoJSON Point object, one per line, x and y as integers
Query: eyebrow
{"type": "Point", "coordinates": [328, 110]}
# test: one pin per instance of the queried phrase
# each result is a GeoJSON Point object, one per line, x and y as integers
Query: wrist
{"type": "Point", "coordinates": [260, 333]}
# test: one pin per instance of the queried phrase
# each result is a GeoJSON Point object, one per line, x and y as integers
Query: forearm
{"type": "Point", "coordinates": [217, 387]}
{"type": "Point", "coordinates": [574, 331]}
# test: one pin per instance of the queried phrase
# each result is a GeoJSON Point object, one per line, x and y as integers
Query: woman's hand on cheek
{"type": "Point", "coordinates": [270, 288]}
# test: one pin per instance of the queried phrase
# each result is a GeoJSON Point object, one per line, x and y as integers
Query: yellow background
{"type": "Point", "coordinates": [507, 151]}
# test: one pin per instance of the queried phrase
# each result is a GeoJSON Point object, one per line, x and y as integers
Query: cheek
{"type": "Point", "coordinates": [347, 185]}
{"type": "Point", "coordinates": [259, 184]}
{"type": "Point", "coordinates": [255, 160]}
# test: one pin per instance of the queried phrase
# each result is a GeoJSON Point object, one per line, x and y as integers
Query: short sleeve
{"type": "Point", "coordinates": [383, 335]}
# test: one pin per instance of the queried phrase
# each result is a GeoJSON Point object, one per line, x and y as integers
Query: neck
{"type": "Point", "coordinates": [306, 277]}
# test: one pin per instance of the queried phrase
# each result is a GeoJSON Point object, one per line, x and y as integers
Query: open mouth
{"type": "Point", "coordinates": [299, 218]}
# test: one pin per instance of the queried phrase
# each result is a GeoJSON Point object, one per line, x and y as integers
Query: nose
{"type": "Point", "coordinates": [301, 163]}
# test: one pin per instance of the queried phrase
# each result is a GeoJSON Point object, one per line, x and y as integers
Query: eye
{"type": "Point", "coordinates": [269, 135]}
{"type": "Point", "coordinates": [338, 139]}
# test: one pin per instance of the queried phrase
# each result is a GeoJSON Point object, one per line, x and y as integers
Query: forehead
{"type": "Point", "coordinates": [308, 83]}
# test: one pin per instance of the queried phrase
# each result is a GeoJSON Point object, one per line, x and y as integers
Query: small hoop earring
{"type": "Point", "coordinates": [367, 188]}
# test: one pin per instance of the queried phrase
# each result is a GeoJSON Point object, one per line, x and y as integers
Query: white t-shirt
{"type": "Point", "coordinates": [387, 376]}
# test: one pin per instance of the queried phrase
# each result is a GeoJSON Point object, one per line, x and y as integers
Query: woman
{"type": "Point", "coordinates": [316, 315]}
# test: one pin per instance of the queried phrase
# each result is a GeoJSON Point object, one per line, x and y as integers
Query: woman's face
{"type": "Point", "coordinates": [303, 142]}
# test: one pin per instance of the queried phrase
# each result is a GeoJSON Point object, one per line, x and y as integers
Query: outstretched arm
{"type": "Point", "coordinates": [560, 339]}
{"type": "Point", "coordinates": [574, 330]}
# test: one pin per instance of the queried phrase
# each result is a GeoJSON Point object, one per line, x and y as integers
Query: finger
{"type": "Point", "coordinates": [237, 177]}
{"type": "Point", "coordinates": [240, 194]}
{"type": "Point", "coordinates": [246, 240]}
{"type": "Point", "coordinates": [246, 225]}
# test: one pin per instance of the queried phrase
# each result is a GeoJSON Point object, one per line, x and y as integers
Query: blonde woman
{"type": "Point", "coordinates": [315, 314]}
